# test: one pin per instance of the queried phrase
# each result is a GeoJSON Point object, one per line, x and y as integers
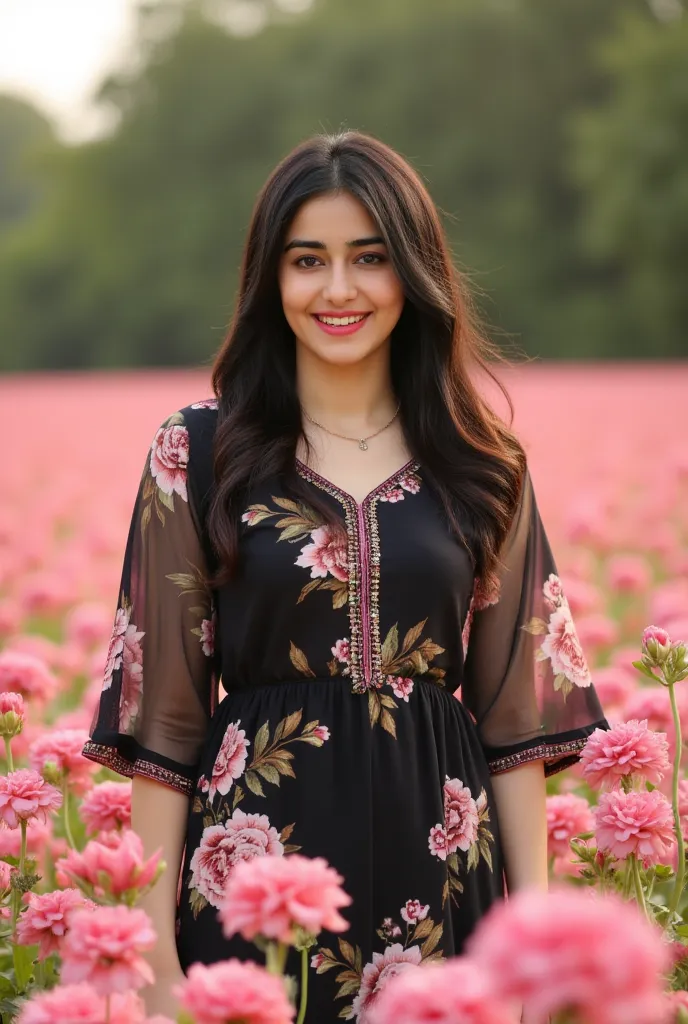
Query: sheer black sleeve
{"type": "Point", "coordinates": [155, 704]}
{"type": "Point", "coordinates": [526, 680]}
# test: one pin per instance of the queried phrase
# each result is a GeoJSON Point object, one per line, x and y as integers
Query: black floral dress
{"type": "Point", "coordinates": [343, 734]}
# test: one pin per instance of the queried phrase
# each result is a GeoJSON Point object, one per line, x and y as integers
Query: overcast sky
{"type": "Point", "coordinates": [55, 52]}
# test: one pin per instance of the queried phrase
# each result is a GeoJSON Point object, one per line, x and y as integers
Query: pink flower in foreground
{"type": "Point", "coordinates": [107, 807]}
{"type": "Point", "coordinates": [62, 748]}
{"type": "Point", "coordinates": [44, 922]}
{"type": "Point", "coordinates": [81, 1004]}
{"type": "Point", "coordinates": [234, 991]}
{"type": "Point", "coordinates": [327, 554]}
{"type": "Point", "coordinates": [26, 674]}
{"type": "Point", "coordinates": [25, 796]}
{"type": "Point", "coordinates": [116, 868]}
{"type": "Point", "coordinates": [552, 951]}
{"type": "Point", "coordinates": [568, 816]}
{"type": "Point", "coordinates": [377, 974]}
{"type": "Point", "coordinates": [230, 761]}
{"type": "Point", "coordinates": [629, 748]}
{"type": "Point", "coordinates": [639, 823]}
{"type": "Point", "coordinates": [169, 460]}
{"type": "Point", "coordinates": [104, 947]}
{"type": "Point", "coordinates": [455, 992]}
{"type": "Point", "coordinates": [271, 896]}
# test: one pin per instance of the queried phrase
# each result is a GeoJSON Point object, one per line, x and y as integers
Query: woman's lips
{"type": "Point", "coordinates": [342, 328]}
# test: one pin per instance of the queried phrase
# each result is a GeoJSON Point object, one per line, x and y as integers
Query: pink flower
{"type": "Point", "coordinates": [12, 713]}
{"type": "Point", "coordinates": [113, 660]}
{"type": "Point", "coordinates": [567, 817]}
{"type": "Point", "coordinates": [272, 896]}
{"type": "Point", "coordinates": [107, 807]}
{"type": "Point", "coordinates": [206, 403]}
{"type": "Point", "coordinates": [114, 867]}
{"type": "Point", "coordinates": [322, 732]}
{"type": "Point", "coordinates": [402, 688]}
{"type": "Point", "coordinates": [327, 554]}
{"type": "Point", "coordinates": [26, 674]}
{"type": "Point", "coordinates": [342, 651]}
{"type": "Point", "coordinates": [455, 992]}
{"type": "Point", "coordinates": [562, 647]}
{"type": "Point", "coordinates": [461, 817]}
{"type": "Point", "coordinates": [230, 761]}
{"type": "Point", "coordinates": [553, 591]}
{"type": "Point", "coordinates": [208, 636]}
{"type": "Point", "coordinates": [410, 483]}
{"type": "Point", "coordinates": [629, 748]}
{"type": "Point", "coordinates": [45, 920]}
{"type": "Point", "coordinates": [251, 516]}
{"type": "Point", "coordinates": [437, 841]}
{"type": "Point", "coordinates": [392, 494]}
{"type": "Point", "coordinates": [639, 823]}
{"type": "Point", "coordinates": [377, 974]}
{"type": "Point", "coordinates": [24, 796]}
{"type": "Point", "coordinates": [234, 991]}
{"type": "Point", "coordinates": [676, 1001]}
{"type": "Point", "coordinates": [656, 645]}
{"type": "Point", "coordinates": [62, 748]}
{"type": "Point", "coordinates": [88, 624]}
{"type": "Point", "coordinates": [552, 951]}
{"type": "Point", "coordinates": [317, 960]}
{"type": "Point", "coordinates": [242, 837]}
{"type": "Point", "coordinates": [629, 574]}
{"type": "Point", "coordinates": [414, 911]}
{"type": "Point", "coordinates": [656, 634]}
{"type": "Point", "coordinates": [614, 685]}
{"type": "Point", "coordinates": [169, 460]}
{"type": "Point", "coordinates": [65, 1004]}
{"type": "Point", "coordinates": [5, 876]}
{"type": "Point", "coordinates": [104, 947]}
{"type": "Point", "coordinates": [132, 677]}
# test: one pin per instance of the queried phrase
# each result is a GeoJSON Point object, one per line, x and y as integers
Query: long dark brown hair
{"type": "Point", "coordinates": [467, 453]}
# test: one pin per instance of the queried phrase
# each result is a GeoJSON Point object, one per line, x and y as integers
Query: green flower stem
{"type": "Point", "coordinates": [304, 987]}
{"type": "Point", "coordinates": [65, 813]}
{"type": "Point", "coordinates": [276, 957]}
{"type": "Point", "coordinates": [639, 894]}
{"type": "Point", "coordinates": [681, 868]}
{"type": "Point", "coordinates": [16, 895]}
{"type": "Point", "coordinates": [8, 754]}
{"type": "Point", "coordinates": [627, 880]}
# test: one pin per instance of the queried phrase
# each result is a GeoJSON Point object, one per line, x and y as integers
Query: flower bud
{"type": "Point", "coordinates": [52, 773]}
{"type": "Point", "coordinates": [656, 645]}
{"type": "Point", "coordinates": [11, 714]}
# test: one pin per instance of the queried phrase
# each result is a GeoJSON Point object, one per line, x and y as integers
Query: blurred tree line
{"type": "Point", "coordinates": [552, 134]}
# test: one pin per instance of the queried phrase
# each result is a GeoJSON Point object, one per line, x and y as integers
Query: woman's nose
{"type": "Point", "coordinates": [340, 286]}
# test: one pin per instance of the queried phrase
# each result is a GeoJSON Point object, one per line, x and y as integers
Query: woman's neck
{"type": "Point", "coordinates": [353, 399]}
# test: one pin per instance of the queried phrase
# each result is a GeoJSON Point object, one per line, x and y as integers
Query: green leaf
{"type": "Point", "coordinates": [535, 626]}
{"type": "Point", "coordinates": [145, 518]}
{"type": "Point", "coordinates": [420, 665]}
{"type": "Point", "coordinates": [388, 723]}
{"type": "Point", "coordinates": [308, 589]}
{"type": "Point", "coordinates": [253, 783]}
{"type": "Point", "coordinates": [429, 649]}
{"type": "Point", "coordinates": [295, 532]}
{"type": "Point", "coordinates": [288, 725]}
{"type": "Point", "coordinates": [432, 940]}
{"type": "Point", "coordinates": [423, 929]}
{"type": "Point", "coordinates": [238, 796]}
{"type": "Point", "coordinates": [287, 831]}
{"type": "Point", "coordinates": [197, 902]}
{"type": "Point", "coordinates": [412, 636]}
{"type": "Point", "coordinates": [23, 959]}
{"type": "Point", "coordinates": [391, 645]}
{"type": "Point", "coordinates": [300, 661]}
{"type": "Point", "coordinates": [288, 505]}
{"type": "Point", "coordinates": [166, 499]}
{"type": "Point", "coordinates": [373, 707]}
{"type": "Point", "coordinates": [197, 806]}
{"type": "Point", "coordinates": [349, 987]}
{"type": "Point", "coordinates": [261, 741]}
{"type": "Point", "coordinates": [347, 951]}
{"type": "Point", "coordinates": [269, 773]}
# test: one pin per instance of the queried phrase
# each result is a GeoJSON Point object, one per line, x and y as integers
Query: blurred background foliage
{"type": "Point", "coordinates": [553, 134]}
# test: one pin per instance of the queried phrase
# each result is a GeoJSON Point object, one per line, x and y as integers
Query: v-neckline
{"type": "Point", "coordinates": [344, 496]}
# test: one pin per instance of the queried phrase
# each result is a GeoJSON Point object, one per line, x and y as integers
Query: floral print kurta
{"type": "Point", "coordinates": [372, 689]}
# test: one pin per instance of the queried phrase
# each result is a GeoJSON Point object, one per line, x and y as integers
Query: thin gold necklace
{"type": "Point", "coordinates": [361, 441]}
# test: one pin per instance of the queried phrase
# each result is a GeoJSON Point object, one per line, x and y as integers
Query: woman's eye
{"type": "Point", "coordinates": [371, 258]}
{"type": "Point", "coordinates": [300, 261]}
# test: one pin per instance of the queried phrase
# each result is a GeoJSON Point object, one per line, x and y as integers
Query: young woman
{"type": "Point", "coordinates": [347, 537]}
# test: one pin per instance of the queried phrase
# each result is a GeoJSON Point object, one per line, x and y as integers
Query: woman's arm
{"type": "Point", "coordinates": [520, 796]}
{"type": "Point", "coordinates": [159, 816]}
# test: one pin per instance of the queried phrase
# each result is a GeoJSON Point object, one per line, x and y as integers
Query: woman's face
{"type": "Point", "coordinates": [335, 267]}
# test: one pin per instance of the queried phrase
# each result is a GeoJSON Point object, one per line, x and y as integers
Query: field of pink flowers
{"type": "Point", "coordinates": [608, 451]}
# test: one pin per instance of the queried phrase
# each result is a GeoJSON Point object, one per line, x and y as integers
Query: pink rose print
{"type": "Point", "coordinates": [414, 912]}
{"type": "Point", "coordinates": [389, 930]}
{"type": "Point", "coordinates": [132, 678]}
{"type": "Point", "coordinates": [207, 403]}
{"type": "Point", "coordinates": [322, 732]}
{"type": "Point", "coordinates": [461, 818]}
{"type": "Point", "coordinates": [326, 554]}
{"type": "Point", "coordinates": [378, 974]}
{"type": "Point", "coordinates": [342, 651]}
{"type": "Point", "coordinates": [562, 647]}
{"type": "Point", "coordinates": [169, 459]}
{"type": "Point", "coordinates": [402, 688]}
{"type": "Point", "coordinates": [395, 492]}
{"type": "Point", "coordinates": [114, 654]}
{"type": "Point", "coordinates": [231, 760]}
{"type": "Point", "coordinates": [437, 841]}
{"type": "Point", "coordinates": [317, 960]}
{"type": "Point", "coordinates": [208, 636]}
{"type": "Point", "coordinates": [553, 591]}
{"type": "Point", "coordinates": [242, 837]}
{"type": "Point", "coordinates": [251, 516]}
{"type": "Point", "coordinates": [392, 495]}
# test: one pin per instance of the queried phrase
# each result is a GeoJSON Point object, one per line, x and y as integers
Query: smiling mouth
{"type": "Point", "coordinates": [341, 321]}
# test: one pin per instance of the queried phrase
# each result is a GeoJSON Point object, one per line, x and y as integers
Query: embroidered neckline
{"type": "Point", "coordinates": [412, 466]}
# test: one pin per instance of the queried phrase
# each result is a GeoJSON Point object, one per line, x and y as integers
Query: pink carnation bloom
{"type": "Point", "coordinates": [327, 554]}
{"type": "Point", "coordinates": [234, 991]}
{"type": "Point", "coordinates": [552, 952]}
{"type": "Point", "coordinates": [107, 807]}
{"type": "Point", "coordinates": [62, 748]}
{"type": "Point", "coordinates": [26, 674]}
{"type": "Point", "coordinates": [45, 920]}
{"type": "Point", "coordinates": [568, 816]}
{"type": "Point", "coordinates": [230, 761]}
{"type": "Point", "coordinates": [629, 748]}
{"type": "Point", "coordinates": [104, 947]}
{"type": "Point", "coordinates": [382, 969]}
{"type": "Point", "coordinates": [24, 796]}
{"type": "Point", "coordinates": [639, 823]}
{"type": "Point", "coordinates": [113, 868]}
{"type": "Point", "coordinates": [455, 992]}
{"type": "Point", "coordinates": [270, 896]}
{"type": "Point", "coordinates": [169, 460]}
{"type": "Point", "coordinates": [81, 1004]}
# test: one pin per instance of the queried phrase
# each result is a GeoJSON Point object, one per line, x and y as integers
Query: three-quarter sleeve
{"type": "Point", "coordinates": [154, 708]}
{"type": "Point", "coordinates": [526, 681]}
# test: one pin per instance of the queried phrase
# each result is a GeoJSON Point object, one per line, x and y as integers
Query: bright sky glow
{"type": "Point", "coordinates": [56, 52]}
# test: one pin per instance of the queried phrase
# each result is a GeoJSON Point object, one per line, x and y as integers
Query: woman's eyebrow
{"type": "Point", "coordinates": [357, 243]}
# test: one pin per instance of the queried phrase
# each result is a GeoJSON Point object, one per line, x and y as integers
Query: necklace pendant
{"type": "Point", "coordinates": [362, 445]}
